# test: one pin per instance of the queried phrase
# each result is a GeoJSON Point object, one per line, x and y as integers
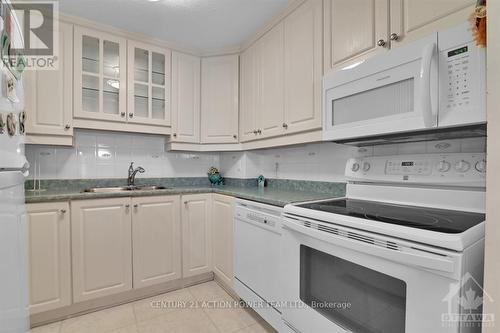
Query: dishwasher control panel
{"type": "Point", "coordinates": [257, 213]}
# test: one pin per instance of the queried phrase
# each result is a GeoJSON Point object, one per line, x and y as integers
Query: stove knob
{"type": "Point", "coordinates": [481, 166]}
{"type": "Point", "coordinates": [355, 167]}
{"type": "Point", "coordinates": [366, 166]}
{"type": "Point", "coordinates": [462, 166]}
{"type": "Point", "coordinates": [444, 166]}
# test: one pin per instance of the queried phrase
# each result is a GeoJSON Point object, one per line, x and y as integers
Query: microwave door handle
{"type": "Point", "coordinates": [428, 113]}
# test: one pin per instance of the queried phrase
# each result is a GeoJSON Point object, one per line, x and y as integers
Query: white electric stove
{"type": "Point", "coordinates": [395, 255]}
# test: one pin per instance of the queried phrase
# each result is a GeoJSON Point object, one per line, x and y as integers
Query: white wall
{"type": "Point", "coordinates": [326, 161]}
{"type": "Point", "coordinates": [107, 155]}
{"type": "Point", "coordinates": [98, 154]}
{"type": "Point", "coordinates": [492, 259]}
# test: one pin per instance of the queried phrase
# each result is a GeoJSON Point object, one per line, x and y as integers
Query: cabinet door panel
{"type": "Point", "coordinates": [219, 99]}
{"type": "Point", "coordinates": [156, 240]}
{"type": "Point", "coordinates": [352, 30]}
{"type": "Point", "coordinates": [196, 234]}
{"type": "Point", "coordinates": [49, 97]}
{"type": "Point", "coordinates": [414, 19]}
{"type": "Point", "coordinates": [271, 83]}
{"type": "Point", "coordinates": [222, 235]}
{"type": "Point", "coordinates": [102, 249]}
{"type": "Point", "coordinates": [99, 75]}
{"type": "Point", "coordinates": [185, 98]}
{"type": "Point", "coordinates": [248, 99]}
{"type": "Point", "coordinates": [148, 96]}
{"type": "Point", "coordinates": [49, 256]}
{"type": "Point", "coordinates": [303, 67]}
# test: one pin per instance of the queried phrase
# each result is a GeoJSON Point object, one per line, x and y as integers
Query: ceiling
{"type": "Point", "coordinates": [199, 24]}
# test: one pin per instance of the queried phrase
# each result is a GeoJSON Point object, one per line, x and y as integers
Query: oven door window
{"type": "Point", "coordinates": [352, 296]}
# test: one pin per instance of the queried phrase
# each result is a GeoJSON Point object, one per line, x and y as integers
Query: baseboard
{"type": "Point", "coordinates": [98, 304]}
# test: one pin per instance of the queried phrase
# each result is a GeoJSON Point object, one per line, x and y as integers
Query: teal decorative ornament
{"type": "Point", "coordinates": [261, 181]}
{"type": "Point", "coordinates": [215, 177]}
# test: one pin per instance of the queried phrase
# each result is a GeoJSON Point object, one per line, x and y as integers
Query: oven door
{"type": "Point", "coordinates": [343, 280]}
{"type": "Point", "coordinates": [390, 93]}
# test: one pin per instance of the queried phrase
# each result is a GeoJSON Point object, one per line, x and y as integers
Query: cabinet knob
{"type": "Point", "coordinates": [255, 132]}
{"type": "Point", "coordinates": [67, 127]}
{"type": "Point", "coordinates": [381, 42]}
{"type": "Point", "coordinates": [136, 205]}
{"type": "Point", "coordinates": [127, 206]}
{"type": "Point", "coordinates": [123, 114]}
{"type": "Point", "coordinates": [235, 136]}
{"type": "Point", "coordinates": [63, 211]}
{"type": "Point", "coordinates": [131, 115]}
{"type": "Point", "coordinates": [185, 203]}
{"type": "Point", "coordinates": [175, 135]}
{"type": "Point", "coordinates": [285, 125]}
{"type": "Point", "coordinates": [394, 36]}
{"type": "Point", "coordinates": [259, 131]}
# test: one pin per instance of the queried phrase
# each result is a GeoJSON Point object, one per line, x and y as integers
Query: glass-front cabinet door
{"type": "Point", "coordinates": [100, 76]}
{"type": "Point", "coordinates": [148, 84]}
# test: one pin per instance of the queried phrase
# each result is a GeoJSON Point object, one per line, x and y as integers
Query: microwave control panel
{"type": "Point", "coordinates": [459, 77]}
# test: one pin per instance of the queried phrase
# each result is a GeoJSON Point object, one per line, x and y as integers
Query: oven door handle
{"type": "Point", "coordinates": [422, 259]}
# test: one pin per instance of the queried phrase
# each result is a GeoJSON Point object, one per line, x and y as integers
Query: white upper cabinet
{"type": "Point", "coordinates": [49, 256]}
{"type": "Point", "coordinates": [101, 247]}
{"type": "Point", "coordinates": [196, 234]}
{"type": "Point", "coordinates": [156, 235]}
{"type": "Point", "coordinates": [100, 75]}
{"type": "Point", "coordinates": [270, 94]}
{"type": "Point", "coordinates": [49, 96]}
{"type": "Point", "coordinates": [148, 84]}
{"type": "Point", "coordinates": [185, 98]}
{"type": "Point", "coordinates": [354, 30]}
{"type": "Point", "coordinates": [219, 99]}
{"type": "Point", "coordinates": [248, 95]}
{"type": "Point", "coordinates": [413, 19]}
{"type": "Point", "coordinates": [303, 67]}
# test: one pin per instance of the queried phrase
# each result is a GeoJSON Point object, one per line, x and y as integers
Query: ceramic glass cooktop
{"type": "Point", "coordinates": [440, 220]}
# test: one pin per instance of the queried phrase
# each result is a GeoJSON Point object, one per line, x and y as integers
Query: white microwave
{"type": "Point", "coordinates": [436, 82]}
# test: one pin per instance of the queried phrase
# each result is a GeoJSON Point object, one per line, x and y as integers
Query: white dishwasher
{"type": "Point", "coordinates": [257, 234]}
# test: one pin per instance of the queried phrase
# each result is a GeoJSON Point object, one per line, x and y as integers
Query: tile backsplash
{"type": "Point", "coordinates": [99, 154]}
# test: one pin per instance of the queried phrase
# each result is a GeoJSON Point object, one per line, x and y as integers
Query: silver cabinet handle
{"type": "Point", "coordinates": [394, 36]}
{"type": "Point", "coordinates": [63, 211]}
{"type": "Point", "coordinates": [127, 206]}
{"type": "Point", "coordinates": [136, 205]}
{"type": "Point", "coordinates": [235, 136]}
{"type": "Point", "coordinates": [285, 125]}
{"type": "Point", "coordinates": [123, 114]}
{"type": "Point", "coordinates": [381, 42]}
{"type": "Point", "coordinates": [175, 135]}
{"type": "Point", "coordinates": [131, 115]}
{"type": "Point", "coordinates": [67, 127]}
{"type": "Point", "coordinates": [255, 132]}
{"type": "Point", "coordinates": [185, 202]}
{"type": "Point", "coordinates": [259, 131]}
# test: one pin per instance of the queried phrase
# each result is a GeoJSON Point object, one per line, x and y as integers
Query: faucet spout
{"type": "Point", "coordinates": [132, 173]}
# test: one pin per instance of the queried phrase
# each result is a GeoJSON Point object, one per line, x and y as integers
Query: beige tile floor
{"type": "Point", "coordinates": [165, 313]}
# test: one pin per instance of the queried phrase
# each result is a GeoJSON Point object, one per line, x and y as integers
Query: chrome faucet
{"type": "Point", "coordinates": [132, 172]}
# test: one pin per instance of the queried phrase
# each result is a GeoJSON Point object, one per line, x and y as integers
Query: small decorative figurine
{"type": "Point", "coordinates": [261, 181]}
{"type": "Point", "coordinates": [478, 20]}
{"type": "Point", "coordinates": [215, 177]}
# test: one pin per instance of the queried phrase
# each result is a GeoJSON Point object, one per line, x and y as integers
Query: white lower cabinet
{"type": "Point", "coordinates": [156, 240]}
{"type": "Point", "coordinates": [222, 237]}
{"type": "Point", "coordinates": [49, 256]}
{"type": "Point", "coordinates": [101, 247]}
{"type": "Point", "coordinates": [196, 234]}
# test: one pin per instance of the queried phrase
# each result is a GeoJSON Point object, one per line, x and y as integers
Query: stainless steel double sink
{"type": "Point", "coordinates": [125, 188]}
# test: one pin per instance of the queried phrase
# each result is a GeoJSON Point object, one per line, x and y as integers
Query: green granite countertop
{"type": "Point", "coordinates": [278, 195]}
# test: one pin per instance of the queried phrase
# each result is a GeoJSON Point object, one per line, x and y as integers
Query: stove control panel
{"type": "Point", "coordinates": [444, 169]}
